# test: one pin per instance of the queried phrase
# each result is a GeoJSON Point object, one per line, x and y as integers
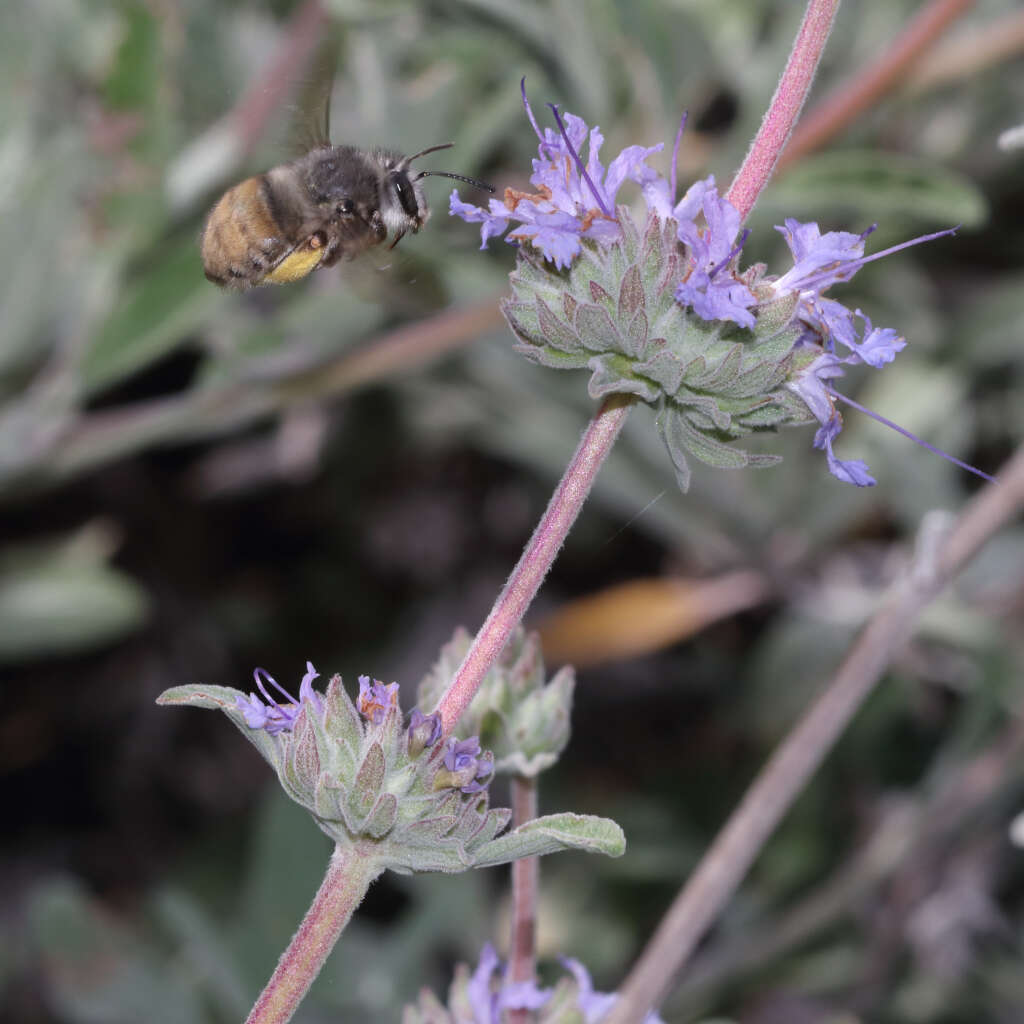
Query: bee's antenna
{"type": "Point", "coordinates": [457, 177]}
{"type": "Point", "coordinates": [433, 149]}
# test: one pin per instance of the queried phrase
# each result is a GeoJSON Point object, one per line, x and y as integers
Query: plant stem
{"type": "Point", "coordinates": [536, 560]}
{"type": "Point", "coordinates": [785, 106]}
{"type": "Point", "coordinates": [794, 762]}
{"type": "Point", "coordinates": [349, 875]}
{"type": "Point", "coordinates": [525, 881]}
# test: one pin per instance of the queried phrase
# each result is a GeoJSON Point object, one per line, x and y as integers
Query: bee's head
{"type": "Point", "coordinates": [405, 206]}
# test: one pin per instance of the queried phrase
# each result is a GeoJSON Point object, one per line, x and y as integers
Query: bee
{"type": "Point", "coordinates": [333, 203]}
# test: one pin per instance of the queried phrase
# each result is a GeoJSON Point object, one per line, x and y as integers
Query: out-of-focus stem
{"type": "Point", "coordinates": [871, 83]}
{"type": "Point", "coordinates": [301, 37]}
{"type": "Point", "coordinates": [905, 836]}
{"type": "Point", "coordinates": [536, 560]}
{"type": "Point", "coordinates": [99, 437]}
{"type": "Point", "coordinates": [348, 877]}
{"type": "Point", "coordinates": [970, 53]}
{"type": "Point", "coordinates": [782, 779]}
{"type": "Point", "coordinates": [525, 881]}
{"type": "Point", "coordinates": [785, 106]}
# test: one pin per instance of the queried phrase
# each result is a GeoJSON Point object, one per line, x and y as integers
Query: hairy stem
{"type": "Point", "coordinates": [522, 948]}
{"type": "Point", "coordinates": [348, 877]}
{"type": "Point", "coordinates": [785, 106]}
{"type": "Point", "coordinates": [536, 560]}
{"type": "Point", "coordinates": [783, 778]}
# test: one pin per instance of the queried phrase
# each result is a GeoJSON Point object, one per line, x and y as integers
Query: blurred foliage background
{"type": "Point", "coordinates": [193, 483]}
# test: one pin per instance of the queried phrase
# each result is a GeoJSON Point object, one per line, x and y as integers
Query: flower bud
{"type": "Point", "coordinates": [517, 715]}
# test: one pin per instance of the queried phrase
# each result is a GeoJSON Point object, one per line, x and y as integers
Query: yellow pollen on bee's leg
{"type": "Point", "coordinates": [297, 265]}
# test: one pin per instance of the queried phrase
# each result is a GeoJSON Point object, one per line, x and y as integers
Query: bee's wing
{"type": "Point", "coordinates": [311, 126]}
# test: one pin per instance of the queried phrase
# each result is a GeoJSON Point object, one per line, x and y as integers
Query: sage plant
{"type": "Point", "coordinates": [655, 304]}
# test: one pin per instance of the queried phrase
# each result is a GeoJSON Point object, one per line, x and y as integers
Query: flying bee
{"type": "Point", "coordinates": [333, 203]}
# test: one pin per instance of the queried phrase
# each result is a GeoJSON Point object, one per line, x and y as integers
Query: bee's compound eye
{"type": "Point", "coordinates": [405, 195]}
{"type": "Point", "coordinates": [346, 206]}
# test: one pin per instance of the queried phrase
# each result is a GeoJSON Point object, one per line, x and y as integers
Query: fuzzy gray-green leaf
{"type": "Point", "coordinates": [551, 834]}
{"type": "Point", "coordinates": [554, 331]}
{"type": "Point", "coordinates": [382, 818]}
{"type": "Point", "coordinates": [368, 781]}
{"type": "Point", "coordinates": [613, 376]}
{"type": "Point", "coordinates": [596, 329]}
{"type": "Point", "coordinates": [631, 294]}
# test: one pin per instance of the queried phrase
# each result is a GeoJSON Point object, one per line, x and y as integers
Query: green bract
{"type": "Point", "coordinates": [520, 718]}
{"type": "Point", "coordinates": [614, 312]}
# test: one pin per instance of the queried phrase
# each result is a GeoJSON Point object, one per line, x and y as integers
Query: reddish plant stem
{"type": "Point", "coordinates": [522, 955]}
{"type": "Point", "coordinates": [783, 778]}
{"type": "Point", "coordinates": [536, 560]}
{"type": "Point", "coordinates": [785, 106]}
{"type": "Point", "coordinates": [853, 98]}
{"type": "Point", "coordinates": [348, 877]}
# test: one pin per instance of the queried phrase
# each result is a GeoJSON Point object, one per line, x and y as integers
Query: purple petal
{"type": "Point", "coordinates": [812, 386]}
{"type": "Point", "coordinates": [880, 344]}
{"type": "Point", "coordinates": [481, 999]}
{"type": "Point", "coordinates": [630, 165]}
{"type": "Point", "coordinates": [522, 995]}
{"type": "Point", "coordinates": [306, 691]}
{"type": "Point", "coordinates": [254, 710]}
{"type": "Point", "coordinates": [556, 235]}
{"type": "Point", "coordinates": [850, 471]}
{"type": "Point", "coordinates": [494, 221]}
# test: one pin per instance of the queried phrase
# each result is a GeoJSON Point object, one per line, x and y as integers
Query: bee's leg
{"type": "Point", "coordinates": [378, 226]}
{"type": "Point", "coordinates": [265, 255]}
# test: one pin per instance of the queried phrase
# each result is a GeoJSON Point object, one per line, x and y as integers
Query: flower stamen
{"type": "Point", "coordinates": [579, 163]}
{"type": "Point", "coordinates": [732, 255]}
{"type": "Point", "coordinates": [675, 157]}
{"type": "Point", "coordinates": [911, 436]}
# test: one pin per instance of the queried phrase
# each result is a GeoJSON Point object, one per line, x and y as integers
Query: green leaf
{"type": "Point", "coordinates": [551, 834]}
{"type": "Point", "coordinates": [221, 698]}
{"type": "Point", "coordinates": [52, 607]}
{"type": "Point", "coordinates": [152, 319]}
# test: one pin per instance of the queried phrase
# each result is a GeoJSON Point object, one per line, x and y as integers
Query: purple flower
{"type": "Point", "coordinates": [376, 699]}
{"type": "Point", "coordinates": [467, 765]}
{"type": "Point", "coordinates": [573, 199]}
{"type": "Point", "coordinates": [710, 288]}
{"type": "Point", "coordinates": [814, 386]}
{"type": "Point", "coordinates": [595, 1005]}
{"type": "Point", "coordinates": [851, 471]}
{"type": "Point", "coordinates": [488, 1002]}
{"type": "Point", "coordinates": [276, 717]}
{"type": "Point", "coordinates": [821, 260]}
